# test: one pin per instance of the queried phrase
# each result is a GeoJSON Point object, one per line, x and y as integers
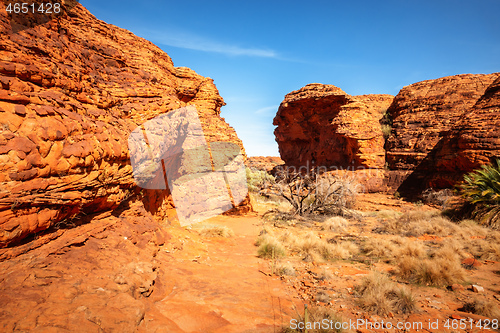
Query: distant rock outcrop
{"type": "Point", "coordinates": [322, 126]}
{"type": "Point", "coordinates": [266, 163]}
{"type": "Point", "coordinates": [71, 92]}
{"type": "Point", "coordinates": [441, 129]}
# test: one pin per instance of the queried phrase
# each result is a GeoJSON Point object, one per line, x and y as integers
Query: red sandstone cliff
{"type": "Point", "coordinates": [442, 129]}
{"type": "Point", "coordinates": [473, 141]}
{"type": "Point", "coordinates": [71, 92]}
{"type": "Point", "coordinates": [423, 112]}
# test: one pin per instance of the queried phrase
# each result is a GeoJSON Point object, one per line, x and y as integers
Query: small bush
{"type": "Point", "coordinates": [258, 179]}
{"type": "Point", "coordinates": [481, 189]}
{"type": "Point", "coordinates": [386, 131]}
{"type": "Point", "coordinates": [441, 198]}
{"type": "Point", "coordinates": [311, 193]}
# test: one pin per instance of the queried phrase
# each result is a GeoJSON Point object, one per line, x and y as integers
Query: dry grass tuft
{"type": "Point", "coordinates": [414, 249]}
{"type": "Point", "coordinates": [335, 224]}
{"type": "Point", "coordinates": [285, 269]}
{"type": "Point", "coordinates": [324, 275]}
{"type": "Point", "coordinates": [437, 271]}
{"type": "Point", "coordinates": [484, 249]}
{"type": "Point", "coordinates": [322, 296]}
{"type": "Point", "coordinates": [386, 214]}
{"type": "Point", "coordinates": [379, 294]}
{"type": "Point", "coordinates": [270, 247]}
{"type": "Point", "coordinates": [318, 315]}
{"type": "Point", "coordinates": [212, 230]}
{"type": "Point", "coordinates": [316, 249]}
{"type": "Point", "coordinates": [404, 301]}
{"type": "Point", "coordinates": [419, 222]}
{"type": "Point", "coordinates": [378, 248]}
{"type": "Point", "coordinates": [483, 307]}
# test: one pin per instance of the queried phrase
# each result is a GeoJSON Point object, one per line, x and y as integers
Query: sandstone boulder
{"type": "Point", "coordinates": [322, 126]}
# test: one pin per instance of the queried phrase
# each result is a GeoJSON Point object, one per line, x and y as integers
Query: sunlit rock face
{"type": "Point", "coordinates": [442, 129]}
{"type": "Point", "coordinates": [322, 126]}
{"type": "Point", "coordinates": [72, 91]}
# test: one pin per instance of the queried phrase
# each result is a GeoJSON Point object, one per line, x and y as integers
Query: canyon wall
{"type": "Point", "coordinates": [432, 121]}
{"type": "Point", "coordinates": [72, 90]}
{"type": "Point", "coordinates": [437, 130]}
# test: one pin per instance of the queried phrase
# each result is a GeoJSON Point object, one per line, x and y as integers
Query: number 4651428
{"type": "Point", "coordinates": [25, 8]}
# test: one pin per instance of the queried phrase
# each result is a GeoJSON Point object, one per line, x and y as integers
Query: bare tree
{"type": "Point", "coordinates": [316, 193]}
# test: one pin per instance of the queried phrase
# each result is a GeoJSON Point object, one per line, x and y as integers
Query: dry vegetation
{"type": "Point", "coordinates": [422, 248]}
{"type": "Point", "coordinates": [379, 294]}
{"type": "Point", "coordinates": [211, 230]}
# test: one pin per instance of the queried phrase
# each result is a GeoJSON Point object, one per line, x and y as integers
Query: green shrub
{"type": "Point", "coordinates": [258, 179]}
{"type": "Point", "coordinates": [481, 188]}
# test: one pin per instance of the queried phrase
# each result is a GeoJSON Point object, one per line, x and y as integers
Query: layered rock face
{"type": "Point", "coordinates": [423, 112]}
{"type": "Point", "coordinates": [72, 90]}
{"type": "Point", "coordinates": [441, 129]}
{"type": "Point", "coordinates": [322, 126]}
{"type": "Point", "coordinates": [473, 141]}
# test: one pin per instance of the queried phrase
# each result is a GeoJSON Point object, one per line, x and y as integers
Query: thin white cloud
{"type": "Point", "coordinates": [198, 43]}
{"type": "Point", "coordinates": [267, 109]}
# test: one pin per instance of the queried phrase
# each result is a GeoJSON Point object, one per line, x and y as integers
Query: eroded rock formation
{"type": "Point", "coordinates": [442, 129]}
{"type": "Point", "coordinates": [72, 90]}
{"type": "Point", "coordinates": [423, 112]}
{"type": "Point", "coordinates": [322, 126]}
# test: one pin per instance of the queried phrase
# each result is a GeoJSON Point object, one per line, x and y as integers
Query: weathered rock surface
{"type": "Point", "coordinates": [322, 126]}
{"type": "Point", "coordinates": [123, 272]}
{"type": "Point", "coordinates": [71, 92]}
{"type": "Point", "coordinates": [473, 141]}
{"type": "Point", "coordinates": [442, 129]}
{"type": "Point", "coordinates": [423, 112]}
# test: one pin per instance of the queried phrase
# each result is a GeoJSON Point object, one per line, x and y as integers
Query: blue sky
{"type": "Point", "coordinates": [258, 51]}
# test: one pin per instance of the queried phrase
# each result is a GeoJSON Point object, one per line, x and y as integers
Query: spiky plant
{"type": "Point", "coordinates": [481, 188]}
